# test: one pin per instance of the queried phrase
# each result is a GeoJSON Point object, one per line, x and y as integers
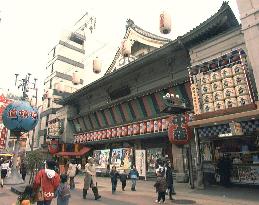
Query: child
{"type": "Point", "coordinates": [26, 198]}
{"type": "Point", "coordinates": [114, 174]}
{"type": "Point", "coordinates": [63, 191]}
{"type": "Point", "coordinates": [161, 187]}
{"type": "Point", "coordinates": [123, 178]}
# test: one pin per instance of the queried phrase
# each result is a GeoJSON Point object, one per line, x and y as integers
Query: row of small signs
{"type": "Point", "coordinates": [151, 126]}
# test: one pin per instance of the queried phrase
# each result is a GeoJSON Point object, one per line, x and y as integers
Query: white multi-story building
{"type": "Point", "coordinates": [65, 60]}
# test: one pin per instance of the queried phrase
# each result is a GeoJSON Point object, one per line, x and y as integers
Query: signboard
{"type": "Point", "coordinates": [140, 160]}
{"type": "Point", "coordinates": [153, 155]}
{"type": "Point", "coordinates": [236, 129]}
{"type": "Point", "coordinates": [101, 158]}
{"type": "Point", "coordinates": [122, 158]}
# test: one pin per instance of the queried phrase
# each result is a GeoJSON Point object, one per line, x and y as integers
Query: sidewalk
{"type": "Point", "coordinates": [145, 195]}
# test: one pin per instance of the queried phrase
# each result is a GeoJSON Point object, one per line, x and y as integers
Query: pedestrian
{"type": "Point", "coordinates": [169, 180]}
{"type": "Point", "coordinates": [133, 176]}
{"type": "Point", "coordinates": [71, 172]}
{"type": "Point", "coordinates": [4, 169]}
{"type": "Point", "coordinates": [26, 197]}
{"type": "Point", "coordinates": [63, 191]}
{"type": "Point", "coordinates": [90, 179]}
{"type": "Point", "coordinates": [225, 169]}
{"type": "Point", "coordinates": [46, 183]}
{"type": "Point", "coordinates": [114, 178]}
{"type": "Point", "coordinates": [161, 187]}
{"type": "Point", "coordinates": [23, 170]}
{"type": "Point", "coordinates": [123, 179]}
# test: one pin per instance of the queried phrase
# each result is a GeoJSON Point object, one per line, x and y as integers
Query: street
{"type": "Point", "coordinates": [145, 195]}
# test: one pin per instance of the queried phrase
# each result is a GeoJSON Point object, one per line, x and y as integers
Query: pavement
{"type": "Point", "coordinates": [145, 195]}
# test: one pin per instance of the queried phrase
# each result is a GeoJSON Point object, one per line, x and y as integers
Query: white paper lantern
{"type": "Point", "coordinates": [60, 87]}
{"type": "Point", "coordinates": [125, 47]}
{"type": "Point", "coordinates": [76, 78]}
{"type": "Point", "coordinates": [165, 23]}
{"type": "Point", "coordinates": [97, 65]}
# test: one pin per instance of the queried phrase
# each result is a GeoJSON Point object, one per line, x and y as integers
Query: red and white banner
{"type": "Point", "coordinates": [104, 134]}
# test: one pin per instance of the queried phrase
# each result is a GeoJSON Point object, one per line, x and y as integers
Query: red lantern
{"type": "Point", "coordinates": [136, 129]}
{"type": "Point", "coordinates": [150, 126]}
{"type": "Point", "coordinates": [164, 124]}
{"type": "Point", "coordinates": [165, 23]}
{"type": "Point", "coordinates": [130, 129]}
{"type": "Point", "coordinates": [178, 130]}
{"type": "Point", "coordinates": [109, 133]}
{"type": "Point", "coordinates": [143, 128]}
{"type": "Point", "coordinates": [124, 131]}
{"type": "Point", "coordinates": [118, 131]}
{"type": "Point", "coordinates": [104, 134]}
{"type": "Point", "coordinates": [88, 137]}
{"type": "Point", "coordinates": [114, 132]}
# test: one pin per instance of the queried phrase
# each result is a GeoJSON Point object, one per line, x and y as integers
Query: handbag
{"type": "Point", "coordinates": [39, 194]}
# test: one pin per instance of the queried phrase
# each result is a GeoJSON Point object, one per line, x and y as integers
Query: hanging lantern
{"type": "Point", "coordinates": [165, 23]}
{"type": "Point", "coordinates": [125, 48]}
{"type": "Point", "coordinates": [76, 78]}
{"type": "Point", "coordinates": [59, 87]}
{"type": "Point", "coordinates": [97, 65]}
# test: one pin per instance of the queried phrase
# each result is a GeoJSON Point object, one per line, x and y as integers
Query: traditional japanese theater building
{"type": "Point", "coordinates": [120, 116]}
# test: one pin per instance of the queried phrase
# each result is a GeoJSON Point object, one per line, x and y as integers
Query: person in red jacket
{"type": "Point", "coordinates": [49, 181]}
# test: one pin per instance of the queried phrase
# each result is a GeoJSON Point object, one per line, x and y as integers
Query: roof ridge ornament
{"type": "Point", "coordinates": [130, 23]}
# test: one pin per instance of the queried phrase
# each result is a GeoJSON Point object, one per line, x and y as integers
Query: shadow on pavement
{"type": "Point", "coordinates": [183, 201]}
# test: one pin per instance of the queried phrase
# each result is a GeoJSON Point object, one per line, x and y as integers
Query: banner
{"type": "Point", "coordinates": [140, 160]}
{"type": "Point", "coordinates": [101, 158]}
{"type": "Point", "coordinates": [153, 155]}
{"type": "Point", "coordinates": [122, 158]}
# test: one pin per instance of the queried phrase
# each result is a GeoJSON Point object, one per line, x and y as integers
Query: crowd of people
{"type": "Point", "coordinates": [48, 184]}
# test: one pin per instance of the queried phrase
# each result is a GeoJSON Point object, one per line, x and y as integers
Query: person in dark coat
{"type": "Point", "coordinates": [23, 170]}
{"type": "Point", "coordinates": [123, 179]}
{"type": "Point", "coordinates": [169, 180]}
{"type": "Point", "coordinates": [134, 175]}
{"type": "Point", "coordinates": [114, 176]}
{"type": "Point", "coordinates": [225, 168]}
{"type": "Point", "coordinates": [161, 187]}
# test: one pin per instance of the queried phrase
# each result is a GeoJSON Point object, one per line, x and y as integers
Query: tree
{"type": "Point", "coordinates": [34, 161]}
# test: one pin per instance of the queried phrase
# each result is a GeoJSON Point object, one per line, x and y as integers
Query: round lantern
{"type": "Point", "coordinates": [60, 87]}
{"type": "Point", "coordinates": [125, 48]}
{"type": "Point", "coordinates": [165, 23]}
{"type": "Point", "coordinates": [97, 65]}
{"type": "Point", "coordinates": [76, 78]}
{"type": "Point", "coordinates": [20, 116]}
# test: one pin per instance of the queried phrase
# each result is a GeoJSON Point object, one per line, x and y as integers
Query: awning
{"type": "Point", "coordinates": [83, 151]}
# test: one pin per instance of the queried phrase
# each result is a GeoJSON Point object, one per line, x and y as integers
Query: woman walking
{"type": "Point", "coordinates": [23, 170]}
{"type": "Point", "coordinates": [160, 186]}
{"type": "Point", "coordinates": [63, 192]}
{"type": "Point", "coordinates": [4, 169]}
{"type": "Point", "coordinates": [123, 179]}
{"type": "Point", "coordinates": [133, 176]}
{"type": "Point", "coordinates": [90, 179]}
{"type": "Point", "coordinates": [71, 172]}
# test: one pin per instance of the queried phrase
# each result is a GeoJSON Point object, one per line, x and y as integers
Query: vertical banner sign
{"type": "Point", "coordinates": [140, 159]}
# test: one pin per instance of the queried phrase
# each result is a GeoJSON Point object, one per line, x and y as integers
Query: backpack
{"type": "Point", "coordinates": [65, 192]}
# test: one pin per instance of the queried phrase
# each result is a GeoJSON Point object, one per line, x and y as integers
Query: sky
{"type": "Point", "coordinates": [29, 29]}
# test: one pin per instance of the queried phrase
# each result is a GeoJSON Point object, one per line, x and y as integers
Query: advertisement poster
{"type": "Point", "coordinates": [140, 160]}
{"type": "Point", "coordinates": [152, 156]}
{"type": "Point", "coordinates": [122, 158]}
{"type": "Point", "coordinates": [101, 158]}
